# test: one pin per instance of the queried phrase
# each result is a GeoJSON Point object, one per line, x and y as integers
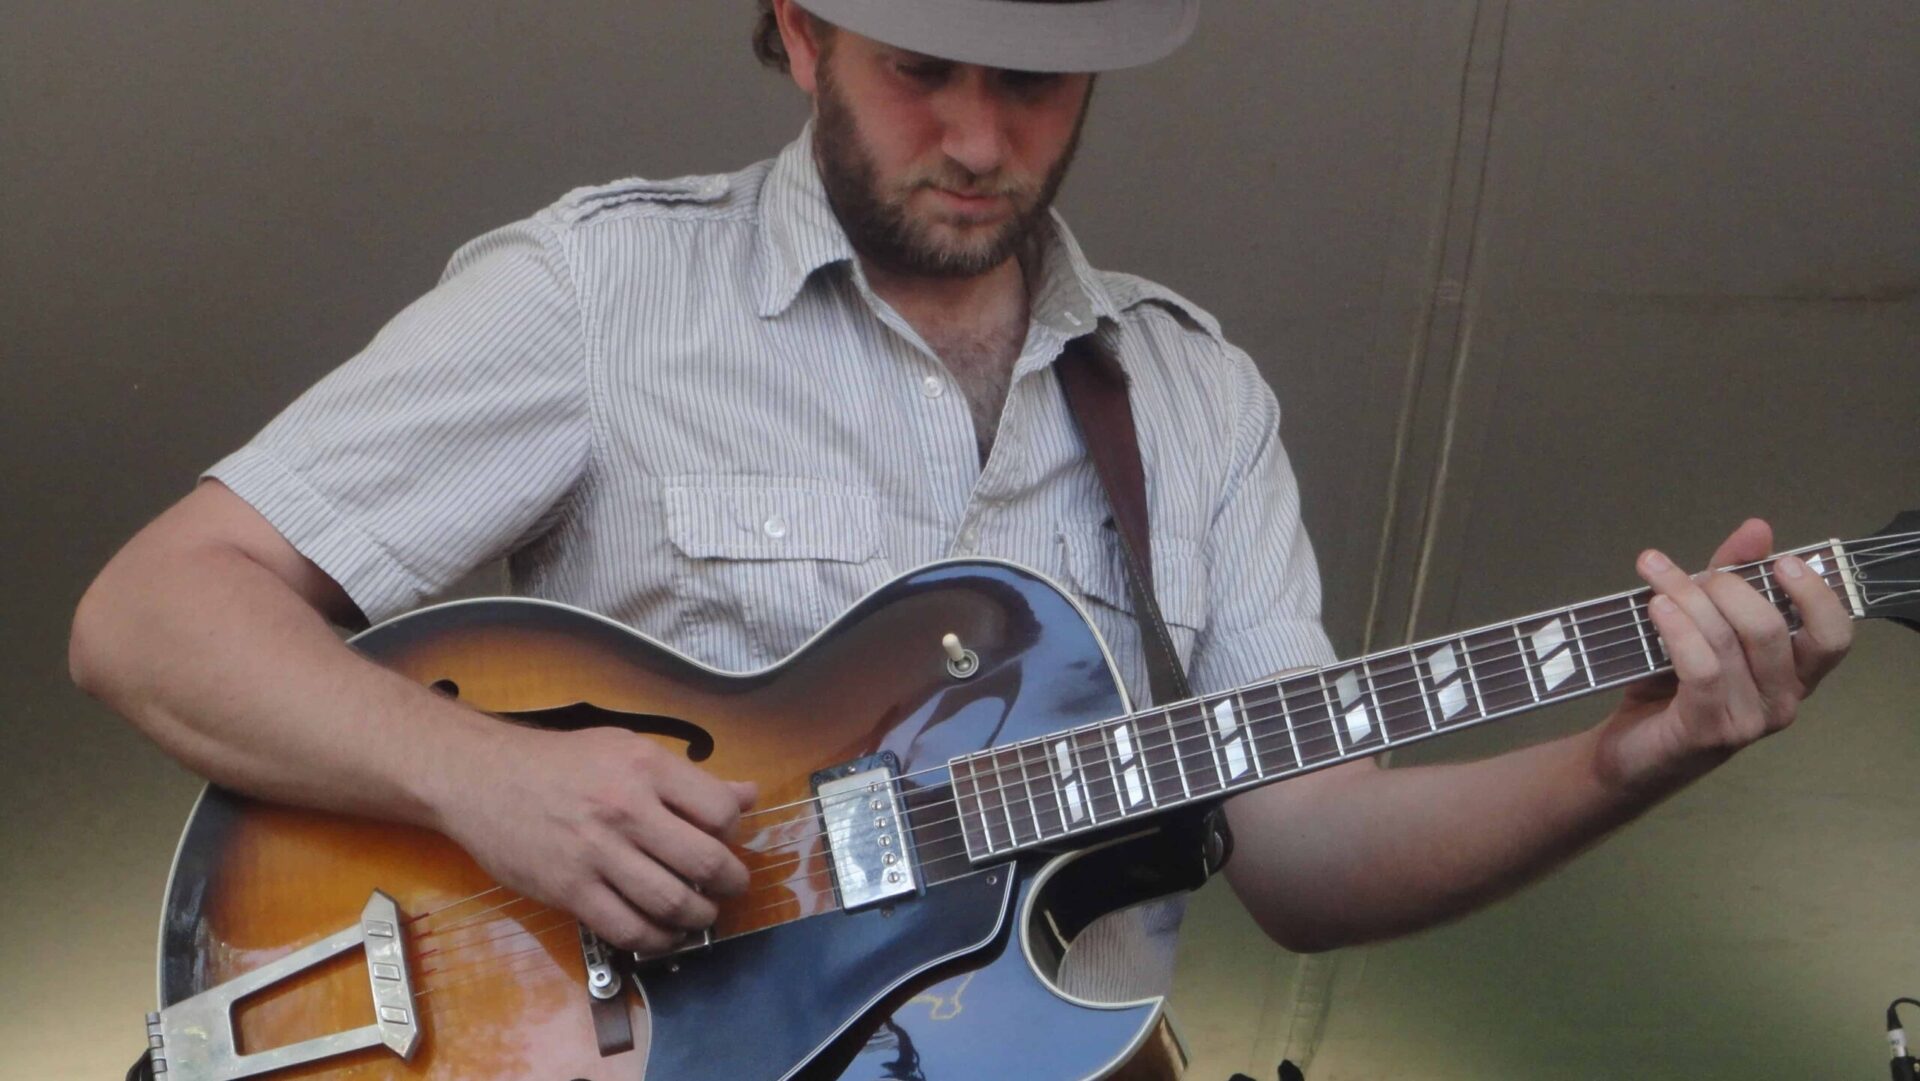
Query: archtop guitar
{"type": "Point", "coordinates": [952, 782]}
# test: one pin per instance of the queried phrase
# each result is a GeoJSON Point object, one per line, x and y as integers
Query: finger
{"type": "Point", "coordinates": [699, 797]}
{"type": "Point", "coordinates": [1826, 629]}
{"type": "Point", "coordinates": [601, 908]}
{"type": "Point", "coordinates": [655, 891]}
{"type": "Point", "coordinates": [1675, 584]}
{"type": "Point", "coordinates": [746, 792]}
{"type": "Point", "coordinates": [1768, 659]}
{"type": "Point", "coordinates": [695, 855]}
{"type": "Point", "coordinates": [1750, 540]}
{"type": "Point", "coordinates": [1694, 660]}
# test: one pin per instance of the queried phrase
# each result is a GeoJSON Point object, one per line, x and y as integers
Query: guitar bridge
{"type": "Point", "coordinates": [866, 832]}
{"type": "Point", "coordinates": [193, 1039]}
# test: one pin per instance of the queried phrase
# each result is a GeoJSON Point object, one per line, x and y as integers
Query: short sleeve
{"type": "Point", "coordinates": [455, 437]}
{"type": "Point", "coordinates": [1263, 580]}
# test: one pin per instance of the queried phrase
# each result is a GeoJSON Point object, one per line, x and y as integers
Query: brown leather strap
{"type": "Point", "coordinates": [1096, 392]}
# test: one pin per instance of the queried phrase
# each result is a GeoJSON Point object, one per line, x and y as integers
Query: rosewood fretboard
{"type": "Point", "coordinates": [1093, 777]}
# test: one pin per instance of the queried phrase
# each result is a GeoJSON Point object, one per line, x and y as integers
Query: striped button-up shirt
{"type": "Point", "coordinates": [680, 404]}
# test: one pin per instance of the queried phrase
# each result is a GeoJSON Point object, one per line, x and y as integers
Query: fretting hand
{"type": "Point", "coordinates": [1737, 673]}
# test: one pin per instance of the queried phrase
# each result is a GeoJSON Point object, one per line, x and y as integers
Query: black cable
{"type": "Point", "coordinates": [1903, 1065]}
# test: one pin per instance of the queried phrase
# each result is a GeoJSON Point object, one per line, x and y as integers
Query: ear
{"type": "Point", "coordinates": [799, 32]}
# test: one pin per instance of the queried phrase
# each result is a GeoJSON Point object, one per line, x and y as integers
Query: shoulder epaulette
{"type": "Point", "coordinates": [1129, 291]}
{"type": "Point", "coordinates": [583, 203]}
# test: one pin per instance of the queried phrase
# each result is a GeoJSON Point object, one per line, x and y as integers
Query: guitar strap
{"type": "Point", "coordinates": [1095, 388]}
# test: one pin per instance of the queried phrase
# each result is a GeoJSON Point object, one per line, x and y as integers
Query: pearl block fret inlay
{"type": "Point", "coordinates": [1440, 667]}
{"type": "Point", "coordinates": [1554, 669]}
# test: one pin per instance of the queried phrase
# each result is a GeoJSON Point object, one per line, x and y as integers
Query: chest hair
{"type": "Point", "coordinates": [981, 362]}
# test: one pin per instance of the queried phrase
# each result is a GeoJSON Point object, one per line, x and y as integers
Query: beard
{"type": "Point", "coordinates": [883, 228]}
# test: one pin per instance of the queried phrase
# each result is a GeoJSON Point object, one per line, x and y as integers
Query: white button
{"type": "Point", "coordinates": [933, 386]}
{"type": "Point", "coordinates": [776, 527]}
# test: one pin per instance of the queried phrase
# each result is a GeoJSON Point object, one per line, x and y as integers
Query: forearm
{"type": "Point", "coordinates": [1363, 853]}
{"type": "Point", "coordinates": [237, 676]}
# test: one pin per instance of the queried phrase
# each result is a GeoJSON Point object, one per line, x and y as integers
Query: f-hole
{"type": "Point", "coordinates": [580, 715]}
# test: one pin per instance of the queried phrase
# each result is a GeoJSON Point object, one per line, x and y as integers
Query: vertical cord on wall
{"type": "Point", "coordinates": [1439, 349]}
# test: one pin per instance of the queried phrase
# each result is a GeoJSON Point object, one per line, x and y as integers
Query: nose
{"type": "Point", "coordinates": [974, 132]}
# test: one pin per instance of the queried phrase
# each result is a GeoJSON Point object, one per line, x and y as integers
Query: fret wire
{"type": "Point", "coordinates": [1080, 771]}
{"type": "Point", "coordinates": [1144, 765]}
{"type": "Point", "coordinates": [980, 804]}
{"type": "Point", "coordinates": [1526, 666]}
{"type": "Point", "coordinates": [1379, 714]}
{"type": "Point", "coordinates": [1006, 811]}
{"type": "Point", "coordinates": [1113, 768]}
{"type": "Point", "coordinates": [1833, 580]}
{"type": "Point", "coordinates": [1179, 763]}
{"type": "Point", "coordinates": [1125, 728]}
{"type": "Point", "coordinates": [1026, 782]}
{"type": "Point", "coordinates": [1333, 716]}
{"type": "Point", "coordinates": [1642, 625]}
{"type": "Point", "coordinates": [1574, 625]}
{"type": "Point", "coordinates": [1286, 718]}
{"type": "Point", "coordinates": [1426, 686]}
{"type": "Point", "coordinates": [1466, 661]}
{"type": "Point", "coordinates": [1251, 737]}
{"type": "Point", "coordinates": [1207, 718]}
{"type": "Point", "coordinates": [1059, 797]}
{"type": "Point", "coordinates": [1630, 610]}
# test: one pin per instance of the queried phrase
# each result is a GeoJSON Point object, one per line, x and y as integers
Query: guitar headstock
{"type": "Point", "coordinates": [1887, 570]}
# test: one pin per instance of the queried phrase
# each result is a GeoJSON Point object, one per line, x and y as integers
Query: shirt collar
{"type": "Point", "coordinates": [799, 234]}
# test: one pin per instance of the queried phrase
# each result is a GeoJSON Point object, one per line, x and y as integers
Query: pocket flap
{"type": "Point", "coordinates": [1098, 569]}
{"type": "Point", "coordinates": [712, 517]}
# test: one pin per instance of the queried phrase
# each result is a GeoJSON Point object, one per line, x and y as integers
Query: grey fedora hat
{"type": "Point", "coordinates": [1025, 35]}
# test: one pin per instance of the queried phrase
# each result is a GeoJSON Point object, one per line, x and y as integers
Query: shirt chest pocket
{"type": "Point", "coordinates": [765, 563]}
{"type": "Point", "coordinates": [1096, 570]}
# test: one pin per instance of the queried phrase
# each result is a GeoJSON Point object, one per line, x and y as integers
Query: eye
{"type": "Point", "coordinates": [1029, 82]}
{"type": "Point", "coordinates": [925, 72]}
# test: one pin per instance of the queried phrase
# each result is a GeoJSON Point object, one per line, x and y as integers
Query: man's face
{"type": "Point", "coordinates": [936, 168]}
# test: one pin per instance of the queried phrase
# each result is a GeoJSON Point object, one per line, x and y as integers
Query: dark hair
{"type": "Point", "coordinates": [767, 46]}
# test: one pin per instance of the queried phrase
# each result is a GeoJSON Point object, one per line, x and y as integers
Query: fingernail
{"type": "Point", "coordinates": [1656, 562]}
{"type": "Point", "coordinates": [1792, 567]}
{"type": "Point", "coordinates": [1663, 606]}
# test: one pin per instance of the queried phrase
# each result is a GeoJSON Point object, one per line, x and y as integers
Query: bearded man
{"type": "Point", "coordinates": [722, 408]}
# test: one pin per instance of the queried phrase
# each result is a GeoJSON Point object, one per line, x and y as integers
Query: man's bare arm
{"type": "Point", "coordinates": [210, 633]}
{"type": "Point", "coordinates": [1356, 853]}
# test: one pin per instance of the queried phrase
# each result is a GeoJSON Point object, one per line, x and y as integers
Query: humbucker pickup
{"type": "Point", "coordinates": [865, 831]}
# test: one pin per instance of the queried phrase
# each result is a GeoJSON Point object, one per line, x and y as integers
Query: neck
{"type": "Point", "coordinates": [990, 299]}
{"type": "Point", "coordinates": [1095, 776]}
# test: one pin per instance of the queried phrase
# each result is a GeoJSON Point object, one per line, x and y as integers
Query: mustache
{"type": "Point", "coordinates": [953, 178]}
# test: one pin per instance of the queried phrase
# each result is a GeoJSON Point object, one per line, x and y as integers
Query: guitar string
{"type": "Point", "coordinates": [922, 838]}
{"type": "Point", "coordinates": [1858, 549]}
{"type": "Point", "coordinates": [519, 931]}
{"type": "Point", "coordinates": [1314, 696]}
{"type": "Point", "coordinates": [1632, 609]}
{"type": "Point", "coordinates": [1033, 818]}
{"type": "Point", "coordinates": [1760, 565]}
{"type": "Point", "coordinates": [513, 920]}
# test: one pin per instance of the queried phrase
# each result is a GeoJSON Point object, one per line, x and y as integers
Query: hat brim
{"type": "Point", "coordinates": [1024, 35]}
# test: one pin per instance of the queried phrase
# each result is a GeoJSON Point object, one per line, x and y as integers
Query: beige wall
{"type": "Point", "coordinates": [1538, 285]}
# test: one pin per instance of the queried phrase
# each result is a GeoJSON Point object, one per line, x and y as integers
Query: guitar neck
{"type": "Point", "coordinates": [1097, 776]}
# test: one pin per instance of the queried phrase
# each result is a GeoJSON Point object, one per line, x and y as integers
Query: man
{"type": "Point", "coordinates": [722, 408]}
